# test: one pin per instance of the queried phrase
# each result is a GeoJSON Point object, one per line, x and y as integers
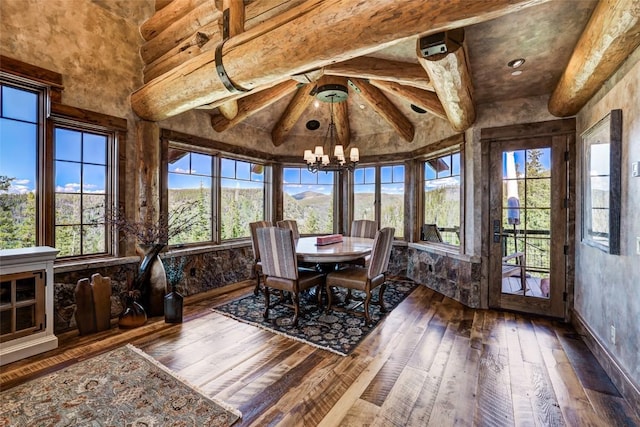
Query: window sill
{"type": "Point", "coordinates": [75, 265]}
{"type": "Point", "coordinates": [444, 249]}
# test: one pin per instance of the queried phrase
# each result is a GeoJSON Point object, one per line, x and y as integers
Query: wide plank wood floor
{"type": "Point", "coordinates": [431, 362]}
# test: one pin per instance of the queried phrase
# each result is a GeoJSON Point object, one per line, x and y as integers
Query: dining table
{"type": "Point", "coordinates": [349, 249]}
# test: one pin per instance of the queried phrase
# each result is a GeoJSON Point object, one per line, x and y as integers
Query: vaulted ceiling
{"type": "Point", "coordinates": [280, 51]}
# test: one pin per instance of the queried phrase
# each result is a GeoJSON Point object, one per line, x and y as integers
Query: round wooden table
{"type": "Point", "coordinates": [349, 249]}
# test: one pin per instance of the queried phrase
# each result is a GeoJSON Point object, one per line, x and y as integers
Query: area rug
{"type": "Point", "coordinates": [121, 387]}
{"type": "Point", "coordinates": [338, 332]}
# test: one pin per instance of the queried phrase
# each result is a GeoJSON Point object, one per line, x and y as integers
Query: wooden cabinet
{"type": "Point", "coordinates": [22, 310]}
{"type": "Point", "coordinates": [26, 302]}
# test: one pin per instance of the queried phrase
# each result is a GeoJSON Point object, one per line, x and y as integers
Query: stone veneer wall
{"type": "Point", "coordinates": [203, 272]}
{"type": "Point", "coordinates": [445, 273]}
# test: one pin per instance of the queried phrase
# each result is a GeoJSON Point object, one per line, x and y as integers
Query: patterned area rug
{"type": "Point", "coordinates": [339, 332]}
{"type": "Point", "coordinates": [117, 388]}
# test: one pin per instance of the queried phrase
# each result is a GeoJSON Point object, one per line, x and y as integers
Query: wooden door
{"type": "Point", "coordinates": [527, 232]}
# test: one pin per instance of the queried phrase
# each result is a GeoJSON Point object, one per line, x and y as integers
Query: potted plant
{"type": "Point", "coordinates": [150, 283]}
{"type": "Point", "coordinates": [173, 301]}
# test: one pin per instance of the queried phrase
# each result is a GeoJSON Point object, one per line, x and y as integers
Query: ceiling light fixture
{"type": "Point", "coordinates": [316, 159]}
{"type": "Point", "coordinates": [515, 63]}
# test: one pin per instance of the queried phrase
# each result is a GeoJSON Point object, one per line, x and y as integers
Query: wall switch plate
{"type": "Point", "coordinates": [635, 169]}
{"type": "Point", "coordinates": [613, 334]}
{"type": "Point", "coordinates": [638, 245]}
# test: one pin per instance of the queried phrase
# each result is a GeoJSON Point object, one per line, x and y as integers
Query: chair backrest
{"type": "Point", "coordinates": [278, 251]}
{"type": "Point", "coordinates": [254, 237]}
{"type": "Point", "coordinates": [430, 233]}
{"type": "Point", "coordinates": [363, 228]}
{"type": "Point", "coordinates": [292, 225]}
{"type": "Point", "coordinates": [381, 252]}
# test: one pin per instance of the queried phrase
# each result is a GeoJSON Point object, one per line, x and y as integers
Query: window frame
{"type": "Point", "coordinates": [111, 183]}
{"type": "Point", "coordinates": [378, 194]}
{"type": "Point", "coordinates": [447, 151]}
{"type": "Point", "coordinates": [607, 131]}
{"type": "Point", "coordinates": [170, 139]}
{"type": "Point", "coordinates": [336, 188]}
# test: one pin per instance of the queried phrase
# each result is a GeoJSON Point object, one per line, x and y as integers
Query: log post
{"type": "Point", "coordinates": [148, 155]}
{"type": "Point", "coordinates": [337, 29]}
{"type": "Point", "coordinates": [233, 21]}
{"type": "Point", "coordinates": [450, 76]}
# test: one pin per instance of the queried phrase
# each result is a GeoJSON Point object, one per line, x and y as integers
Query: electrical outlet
{"type": "Point", "coordinates": [613, 334]}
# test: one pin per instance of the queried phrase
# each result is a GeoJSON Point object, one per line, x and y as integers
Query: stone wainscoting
{"type": "Point", "coordinates": [204, 270]}
{"type": "Point", "coordinates": [441, 269]}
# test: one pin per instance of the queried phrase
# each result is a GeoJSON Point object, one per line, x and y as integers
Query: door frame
{"type": "Point", "coordinates": [556, 133]}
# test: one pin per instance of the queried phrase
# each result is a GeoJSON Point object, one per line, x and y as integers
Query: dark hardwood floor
{"type": "Point", "coordinates": [431, 362]}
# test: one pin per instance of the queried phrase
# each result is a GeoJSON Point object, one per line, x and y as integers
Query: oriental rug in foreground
{"type": "Point", "coordinates": [121, 387]}
{"type": "Point", "coordinates": [338, 332]}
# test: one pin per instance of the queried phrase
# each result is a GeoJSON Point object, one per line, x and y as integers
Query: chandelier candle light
{"type": "Point", "coordinates": [317, 160]}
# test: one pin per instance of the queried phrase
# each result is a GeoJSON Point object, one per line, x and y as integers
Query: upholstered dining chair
{"type": "Point", "coordinates": [363, 228]}
{"type": "Point", "coordinates": [280, 268]}
{"type": "Point", "coordinates": [292, 225]}
{"type": "Point", "coordinates": [366, 279]}
{"type": "Point", "coordinates": [257, 265]}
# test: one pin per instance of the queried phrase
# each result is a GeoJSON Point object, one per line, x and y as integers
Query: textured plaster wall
{"type": "Point", "coordinates": [607, 287]}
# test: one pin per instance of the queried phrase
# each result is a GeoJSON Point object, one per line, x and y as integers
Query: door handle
{"type": "Point", "coordinates": [497, 232]}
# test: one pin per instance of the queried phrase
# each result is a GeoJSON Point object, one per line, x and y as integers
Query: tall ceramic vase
{"type": "Point", "coordinates": [153, 281]}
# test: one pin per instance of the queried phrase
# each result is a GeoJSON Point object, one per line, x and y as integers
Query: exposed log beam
{"type": "Point", "coordinates": [206, 38]}
{"type": "Point", "coordinates": [367, 67]}
{"type": "Point", "coordinates": [233, 12]}
{"type": "Point", "coordinates": [337, 29]}
{"type": "Point", "coordinates": [341, 120]}
{"type": "Point", "coordinates": [301, 100]}
{"type": "Point", "coordinates": [611, 35]}
{"type": "Point", "coordinates": [451, 78]}
{"type": "Point", "coordinates": [421, 98]}
{"type": "Point", "coordinates": [166, 16]}
{"type": "Point", "coordinates": [253, 103]}
{"type": "Point", "coordinates": [179, 30]}
{"type": "Point", "coordinates": [383, 106]}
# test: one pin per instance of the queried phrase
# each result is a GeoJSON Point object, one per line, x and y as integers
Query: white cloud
{"type": "Point", "coordinates": [180, 170]}
{"type": "Point", "coordinates": [70, 187]}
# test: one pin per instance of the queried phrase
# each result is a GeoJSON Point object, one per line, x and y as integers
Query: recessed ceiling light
{"type": "Point", "coordinates": [316, 103]}
{"type": "Point", "coordinates": [418, 109]}
{"type": "Point", "coordinates": [361, 106]}
{"type": "Point", "coordinates": [515, 63]}
{"type": "Point", "coordinates": [516, 73]}
{"type": "Point", "coordinates": [313, 124]}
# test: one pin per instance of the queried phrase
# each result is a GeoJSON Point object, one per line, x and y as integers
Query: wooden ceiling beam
{"type": "Point", "coordinates": [385, 108]}
{"type": "Point", "coordinates": [421, 98]}
{"type": "Point", "coordinates": [233, 11]}
{"type": "Point", "coordinates": [336, 29]}
{"type": "Point", "coordinates": [611, 35]}
{"type": "Point", "coordinates": [252, 104]}
{"type": "Point", "coordinates": [367, 67]}
{"type": "Point", "coordinates": [179, 30]}
{"type": "Point", "coordinates": [341, 121]}
{"type": "Point", "coordinates": [163, 18]}
{"type": "Point", "coordinates": [301, 100]}
{"type": "Point", "coordinates": [451, 78]}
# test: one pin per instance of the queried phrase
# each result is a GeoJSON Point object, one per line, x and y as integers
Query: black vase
{"type": "Point", "coordinates": [173, 302]}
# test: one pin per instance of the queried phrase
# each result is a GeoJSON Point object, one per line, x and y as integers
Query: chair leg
{"type": "Point", "coordinates": [256, 290]}
{"type": "Point", "coordinates": [296, 308]}
{"type": "Point", "coordinates": [367, 300]}
{"type": "Point", "coordinates": [383, 287]}
{"type": "Point", "coordinates": [266, 302]}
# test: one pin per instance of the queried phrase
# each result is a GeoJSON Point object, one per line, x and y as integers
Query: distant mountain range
{"type": "Point", "coordinates": [307, 195]}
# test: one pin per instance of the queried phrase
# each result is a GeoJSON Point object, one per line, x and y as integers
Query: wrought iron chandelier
{"type": "Point", "coordinates": [317, 160]}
